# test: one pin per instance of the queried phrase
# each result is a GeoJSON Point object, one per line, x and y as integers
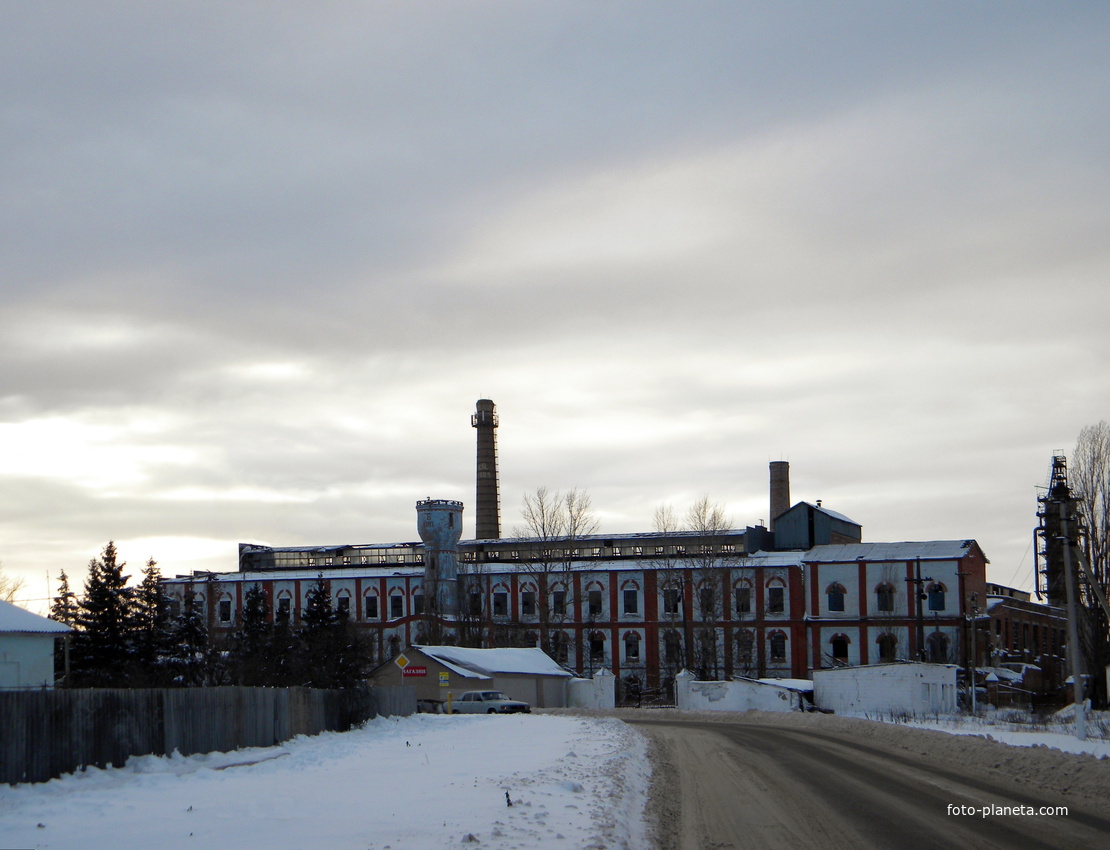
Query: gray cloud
{"type": "Point", "coordinates": [258, 263]}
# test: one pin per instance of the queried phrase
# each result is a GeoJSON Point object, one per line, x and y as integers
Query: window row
{"type": "Point", "coordinates": [934, 596]}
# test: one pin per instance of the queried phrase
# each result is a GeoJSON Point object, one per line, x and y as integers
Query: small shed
{"type": "Point", "coordinates": [27, 647]}
{"type": "Point", "coordinates": [887, 689]}
{"type": "Point", "coordinates": [526, 674]}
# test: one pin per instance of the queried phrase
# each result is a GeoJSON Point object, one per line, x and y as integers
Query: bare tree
{"type": "Point", "coordinates": [1089, 477]}
{"type": "Point", "coordinates": [9, 586]}
{"type": "Point", "coordinates": [672, 581]}
{"type": "Point", "coordinates": [555, 522]}
{"type": "Point", "coordinates": [710, 577]}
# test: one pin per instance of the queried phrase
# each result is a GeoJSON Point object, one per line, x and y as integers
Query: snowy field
{"type": "Point", "coordinates": [416, 782]}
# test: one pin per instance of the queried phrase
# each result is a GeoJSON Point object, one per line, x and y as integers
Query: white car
{"type": "Point", "coordinates": [488, 702]}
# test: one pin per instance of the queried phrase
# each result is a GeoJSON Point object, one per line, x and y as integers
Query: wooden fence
{"type": "Point", "coordinates": [46, 733]}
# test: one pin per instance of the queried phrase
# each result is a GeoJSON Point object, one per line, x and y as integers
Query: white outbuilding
{"type": "Point", "coordinates": [27, 647]}
{"type": "Point", "coordinates": [887, 689]}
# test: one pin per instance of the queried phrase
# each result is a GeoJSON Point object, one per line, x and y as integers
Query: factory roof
{"type": "Point", "coordinates": [933, 550]}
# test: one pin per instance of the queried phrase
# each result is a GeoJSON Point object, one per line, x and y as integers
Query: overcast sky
{"type": "Point", "coordinates": [258, 261]}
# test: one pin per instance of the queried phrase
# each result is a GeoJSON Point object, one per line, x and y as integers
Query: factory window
{"type": "Point", "coordinates": [670, 601]}
{"type": "Point", "coordinates": [475, 605]}
{"type": "Point", "coordinates": [743, 600]}
{"type": "Point", "coordinates": [343, 606]}
{"type": "Point", "coordinates": [937, 647]}
{"type": "Point", "coordinates": [597, 646]}
{"type": "Point", "coordinates": [745, 646]}
{"type": "Point", "coordinates": [680, 550]}
{"type": "Point", "coordinates": [777, 644]}
{"type": "Point", "coordinates": [706, 549]}
{"type": "Point", "coordinates": [396, 606]}
{"type": "Point", "coordinates": [174, 608]}
{"type": "Point", "coordinates": [284, 604]}
{"type": "Point", "coordinates": [528, 603]}
{"type": "Point", "coordinates": [728, 548]}
{"type": "Point", "coordinates": [594, 597]}
{"type": "Point", "coordinates": [501, 604]}
{"type": "Point", "coordinates": [936, 596]}
{"type": "Point", "coordinates": [225, 610]}
{"type": "Point", "coordinates": [707, 600]}
{"type": "Point", "coordinates": [637, 550]}
{"type": "Point", "coordinates": [371, 607]}
{"type": "Point", "coordinates": [561, 645]}
{"type": "Point", "coordinates": [836, 597]}
{"type": "Point", "coordinates": [559, 603]}
{"type": "Point", "coordinates": [616, 551]}
{"type": "Point", "coordinates": [776, 602]}
{"type": "Point", "coordinates": [418, 603]}
{"type": "Point", "coordinates": [888, 647]}
{"type": "Point", "coordinates": [631, 602]}
{"type": "Point", "coordinates": [597, 552]}
{"type": "Point", "coordinates": [884, 597]}
{"type": "Point", "coordinates": [839, 645]}
{"type": "Point", "coordinates": [659, 550]}
{"type": "Point", "coordinates": [672, 648]}
{"type": "Point", "coordinates": [632, 647]}
{"type": "Point", "coordinates": [346, 559]}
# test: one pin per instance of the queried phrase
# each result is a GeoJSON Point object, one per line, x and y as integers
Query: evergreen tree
{"type": "Point", "coordinates": [329, 649]}
{"type": "Point", "coordinates": [252, 644]}
{"type": "Point", "coordinates": [154, 630]}
{"type": "Point", "coordinates": [103, 647]}
{"type": "Point", "coordinates": [188, 656]}
{"type": "Point", "coordinates": [64, 608]}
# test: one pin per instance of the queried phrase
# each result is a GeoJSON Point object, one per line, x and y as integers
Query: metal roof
{"type": "Point", "coordinates": [16, 619]}
{"type": "Point", "coordinates": [932, 550]}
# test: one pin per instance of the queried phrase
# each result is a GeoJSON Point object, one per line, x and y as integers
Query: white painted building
{"type": "Point", "coordinates": [885, 689]}
{"type": "Point", "coordinates": [739, 695]}
{"type": "Point", "coordinates": [27, 648]}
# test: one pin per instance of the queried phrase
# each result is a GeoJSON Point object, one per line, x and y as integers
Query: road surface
{"type": "Point", "coordinates": [750, 785]}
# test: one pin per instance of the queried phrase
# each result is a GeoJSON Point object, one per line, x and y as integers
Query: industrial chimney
{"type": "Point", "coordinates": [487, 511]}
{"type": "Point", "coordinates": [780, 490]}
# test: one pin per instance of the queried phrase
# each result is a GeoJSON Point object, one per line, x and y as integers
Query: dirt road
{"type": "Point", "coordinates": [766, 781]}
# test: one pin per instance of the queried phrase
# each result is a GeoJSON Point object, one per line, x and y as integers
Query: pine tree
{"type": "Point", "coordinates": [64, 608]}
{"type": "Point", "coordinates": [154, 629]}
{"type": "Point", "coordinates": [252, 644]}
{"type": "Point", "coordinates": [188, 655]}
{"type": "Point", "coordinates": [103, 647]}
{"type": "Point", "coordinates": [329, 655]}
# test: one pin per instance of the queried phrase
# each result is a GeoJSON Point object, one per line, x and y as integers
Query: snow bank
{"type": "Point", "coordinates": [421, 781]}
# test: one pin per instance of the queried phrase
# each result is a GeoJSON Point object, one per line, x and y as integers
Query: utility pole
{"type": "Point", "coordinates": [1074, 650]}
{"type": "Point", "coordinates": [973, 678]}
{"type": "Point", "coordinates": [919, 597]}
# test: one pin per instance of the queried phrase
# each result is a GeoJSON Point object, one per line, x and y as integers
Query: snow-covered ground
{"type": "Point", "coordinates": [1057, 736]}
{"type": "Point", "coordinates": [415, 782]}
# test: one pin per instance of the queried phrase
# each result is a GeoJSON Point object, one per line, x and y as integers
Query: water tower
{"type": "Point", "coordinates": [439, 522]}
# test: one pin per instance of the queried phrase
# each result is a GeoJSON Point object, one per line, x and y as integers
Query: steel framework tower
{"type": "Point", "coordinates": [487, 511]}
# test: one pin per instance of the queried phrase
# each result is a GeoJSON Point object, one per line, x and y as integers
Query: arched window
{"type": "Point", "coordinates": [560, 643]}
{"type": "Point", "coordinates": [597, 646]}
{"type": "Point", "coordinates": [836, 594]}
{"type": "Point", "coordinates": [884, 597]}
{"type": "Point", "coordinates": [745, 649]}
{"type": "Point", "coordinates": [343, 604]}
{"type": "Point", "coordinates": [370, 609]}
{"type": "Point", "coordinates": [936, 646]}
{"type": "Point", "coordinates": [283, 610]}
{"type": "Point", "coordinates": [839, 648]}
{"type": "Point", "coordinates": [776, 596]}
{"type": "Point", "coordinates": [743, 599]}
{"type": "Point", "coordinates": [632, 647]}
{"type": "Point", "coordinates": [936, 596]}
{"type": "Point", "coordinates": [672, 648]}
{"type": "Point", "coordinates": [777, 645]}
{"type": "Point", "coordinates": [888, 647]}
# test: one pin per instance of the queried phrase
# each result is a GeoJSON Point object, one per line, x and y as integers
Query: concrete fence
{"type": "Point", "coordinates": [46, 733]}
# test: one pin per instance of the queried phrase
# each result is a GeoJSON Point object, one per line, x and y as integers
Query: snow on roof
{"type": "Point", "coordinates": [833, 514]}
{"type": "Point", "coordinates": [484, 663]}
{"type": "Point", "coordinates": [906, 551]}
{"type": "Point", "coordinates": [16, 619]}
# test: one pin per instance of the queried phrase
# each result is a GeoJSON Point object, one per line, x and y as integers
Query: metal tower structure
{"type": "Point", "coordinates": [487, 508]}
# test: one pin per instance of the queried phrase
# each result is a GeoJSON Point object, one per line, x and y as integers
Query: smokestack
{"type": "Point", "coordinates": [487, 511]}
{"type": "Point", "coordinates": [780, 489]}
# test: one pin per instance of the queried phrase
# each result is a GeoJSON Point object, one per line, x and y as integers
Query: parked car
{"type": "Point", "coordinates": [488, 702]}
